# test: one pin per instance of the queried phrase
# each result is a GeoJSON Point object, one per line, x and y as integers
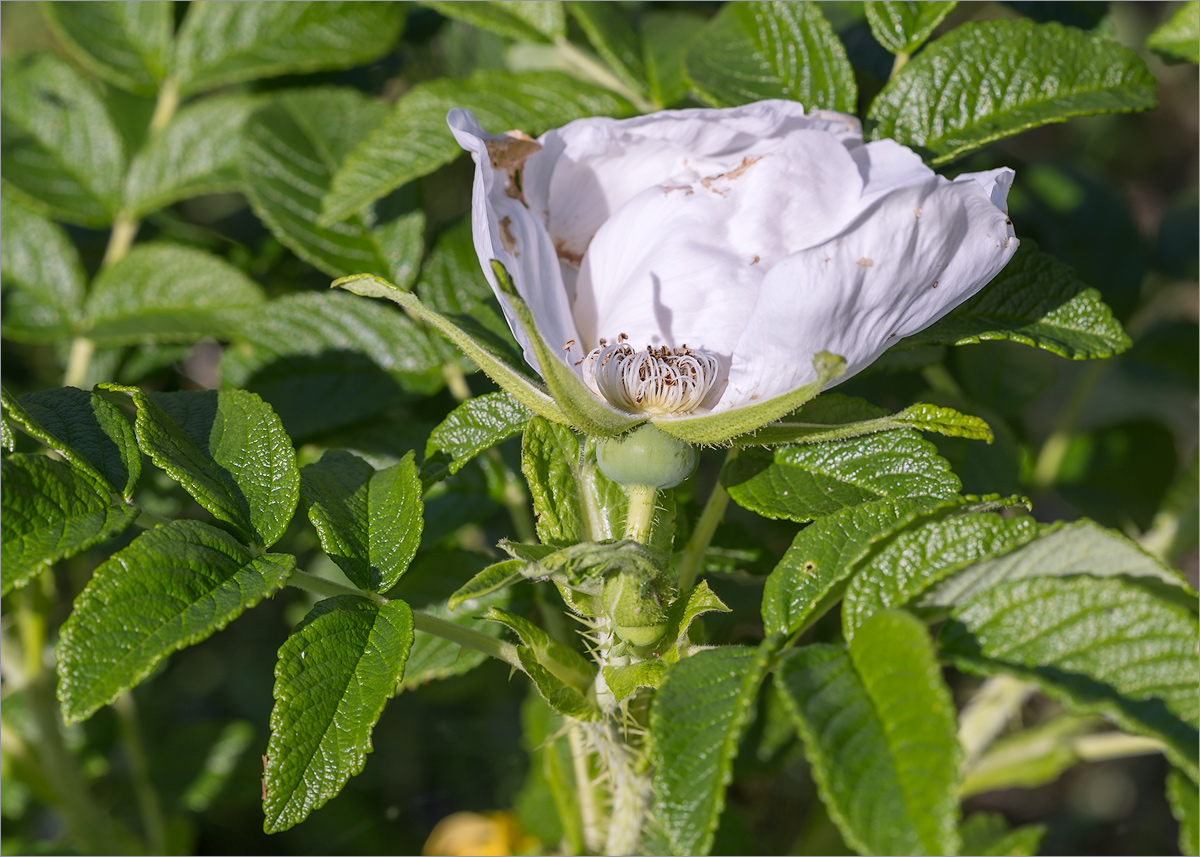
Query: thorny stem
{"type": "Point", "coordinates": [640, 517]}
{"type": "Point", "coordinates": [589, 811]}
{"type": "Point", "coordinates": [466, 637]}
{"type": "Point", "coordinates": [706, 525]}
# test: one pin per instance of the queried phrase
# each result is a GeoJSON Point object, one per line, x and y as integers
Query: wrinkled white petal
{"type": "Point", "coordinates": [910, 259]}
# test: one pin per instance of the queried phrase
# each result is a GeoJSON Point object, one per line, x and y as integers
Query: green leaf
{"type": "Point", "coordinates": [1059, 550]}
{"type": "Point", "coordinates": [475, 425]}
{"type": "Point", "coordinates": [1179, 39]}
{"type": "Point", "coordinates": [610, 32]}
{"type": "Point", "coordinates": [800, 483]}
{"type": "Point", "coordinates": [168, 293]}
{"type": "Point", "coordinates": [173, 586]}
{"type": "Point", "coordinates": [987, 833]}
{"type": "Point", "coordinates": [1100, 645]}
{"type": "Point", "coordinates": [198, 152]}
{"type": "Point", "coordinates": [415, 141]}
{"type": "Point", "coordinates": [231, 42]}
{"type": "Point", "coordinates": [125, 44]}
{"type": "Point", "coordinates": [229, 451]}
{"type": "Point", "coordinates": [626, 679]}
{"type": "Point", "coordinates": [675, 645]}
{"type": "Point", "coordinates": [492, 579]}
{"type": "Point", "coordinates": [531, 20]}
{"type": "Point", "coordinates": [879, 727]}
{"type": "Point", "coordinates": [51, 512]}
{"type": "Point", "coordinates": [86, 430]}
{"type": "Point", "coordinates": [751, 51]}
{"type": "Point", "coordinates": [335, 673]}
{"type": "Point", "coordinates": [293, 147]}
{"type": "Point", "coordinates": [496, 365]}
{"type": "Point", "coordinates": [987, 80]}
{"type": "Point", "coordinates": [43, 279]}
{"type": "Point", "coordinates": [666, 37]}
{"type": "Point", "coordinates": [354, 357]}
{"type": "Point", "coordinates": [562, 676]}
{"type": "Point", "coordinates": [696, 721]}
{"type": "Point", "coordinates": [918, 557]}
{"type": "Point", "coordinates": [813, 573]}
{"type": "Point", "coordinates": [902, 27]}
{"type": "Point", "coordinates": [1036, 300]}
{"type": "Point", "coordinates": [60, 151]}
{"type": "Point", "coordinates": [1182, 794]}
{"type": "Point", "coordinates": [369, 521]}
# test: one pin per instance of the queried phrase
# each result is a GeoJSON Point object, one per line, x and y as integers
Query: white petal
{"type": "Point", "coordinates": [917, 254]}
{"type": "Point", "coordinates": [591, 167]}
{"type": "Point", "coordinates": [681, 264]}
{"type": "Point", "coordinates": [504, 229]}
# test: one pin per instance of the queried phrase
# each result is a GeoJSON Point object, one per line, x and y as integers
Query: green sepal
{"type": "Point", "coordinates": [683, 612]}
{"type": "Point", "coordinates": [624, 680]}
{"type": "Point", "coordinates": [923, 417]}
{"type": "Point", "coordinates": [492, 579]}
{"type": "Point", "coordinates": [563, 677]}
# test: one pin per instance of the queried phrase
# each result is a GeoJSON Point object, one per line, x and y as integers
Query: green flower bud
{"type": "Point", "coordinates": [635, 607]}
{"type": "Point", "coordinates": [646, 456]}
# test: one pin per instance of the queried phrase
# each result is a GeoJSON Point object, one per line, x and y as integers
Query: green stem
{"type": "Point", "coordinates": [640, 517]}
{"type": "Point", "coordinates": [78, 361]}
{"type": "Point", "coordinates": [898, 63]}
{"type": "Point", "coordinates": [706, 526]}
{"type": "Point", "coordinates": [149, 520]}
{"type": "Point", "coordinates": [588, 67]}
{"type": "Point", "coordinates": [1114, 745]}
{"type": "Point", "coordinates": [585, 788]}
{"type": "Point", "coordinates": [467, 637]}
{"type": "Point", "coordinates": [1054, 450]}
{"type": "Point", "coordinates": [990, 710]}
{"type": "Point", "coordinates": [153, 822]}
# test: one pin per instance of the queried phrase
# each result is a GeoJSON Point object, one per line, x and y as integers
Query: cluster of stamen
{"type": "Point", "coordinates": [656, 381]}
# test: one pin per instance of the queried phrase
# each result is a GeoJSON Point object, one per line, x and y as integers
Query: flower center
{"type": "Point", "coordinates": [655, 381]}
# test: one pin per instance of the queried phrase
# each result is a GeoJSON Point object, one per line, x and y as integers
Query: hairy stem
{"type": "Point", "coordinates": [706, 526]}
{"type": "Point", "coordinates": [585, 787]}
{"type": "Point", "coordinates": [640, 517]}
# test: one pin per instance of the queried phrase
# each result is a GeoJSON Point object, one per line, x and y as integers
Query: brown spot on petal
{"type": "Point", "coordinates": [509, 150]}
{"type": "Point", "coordinates": [756, 260]}
{"type": "Point", "coordinates": [864, 262]}
{"type": "Point", "coordinates": [506, 236]}
{"type": "Point", "coordinates": [730, 175]}
{"type": "Point", "coordinates": [917, 212]}
{"type": "Point", "coordinates": [568, 255]}
{"type": "Point", "coordinates": [687, 190]}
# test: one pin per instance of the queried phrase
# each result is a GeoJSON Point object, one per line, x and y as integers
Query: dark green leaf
{"type": "Point", "coordinates": [294, 145]}
{"type": "Point", "coordinates": [86, 430]}
{"type": "Point", "coordinates": [754, 50]}
{"type": "Point", "coordinates": [879, 727]}
{"type": "Point", "coordinates": [60, 150]}
{"type": "Point", "coordinates": [126, 44]}
{"type": "Point", "coordinates": [1185, 806]}
{"type": "Point", "coordinates": [900, 26]}
{"type": "Point", "coordinates": [531, 20]}
{"type": "Point", "coordinates": [51, 512]}
{"type": "Point", "coordinates": [987, 833]}
{"type": "Point", "coordinates": [990, 79]}
{"type": "Point", "coordinates": [369, 521]}
{"type": "Point", "coordinates": [229, 451]}
{"type": "Point", "coordinates": [335, 673]}
{"type": "Point", "coordinates": [168, 293]}
{"type": "Point", "coordinates": [666, 37]}
{"type": "Point", "coordinates": [43, 279]}
{"type": "Point", "coordinates": [1036, 300]}
{"type": "Point", "coordinates": [1179, 39]}
{"type": "Point", "coordinates": [608, 28]}
{"type": "Point", "coordinates": [197, 153]}
{"type": "Point", "coordinates": [475, 425]}
{"type": "Point", "coordinates": [415, 141]}
{"type": "Point", "coordinates": [227, 43]}
{"type": "Point", "coordinates": [1100, 645]}
{"type": "Point", "coordinates": [173, 586]}
{"type": "Point", "coordinates": [800, 483]}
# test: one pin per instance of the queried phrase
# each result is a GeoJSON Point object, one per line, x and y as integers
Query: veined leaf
{"type": "Point", "coordinates": [697, 718]}
{"type": "Point", "coordinates": [415, 141]}
{"type": "Point", "coordinates": [126, 44]}
{"type": "Point", "coordinates": [475, 425]}
{"type": "Point", "coordinates": [227, 43]}
{"type": "Point", "coordinates": [612, 35]}
{"type": "Point", "coordinates": [43, 279]}
{"type": "Point", "coordinates": [902, 27]}
{"type": "Point", "coordinates": [168, 293]}
{"type": "Point", "coordinates": [531, 20]}
{"type": "Point", "coordinates": [492, 579]}
{"type": "Point", "coordinates": [175, 585]}
{"type": "Point", "coordinates": [60, 150]}
{"type": "Point", "coordinates": [294, 145]}
{"type": "Point", "coordinates": [86, 430]}
{"type": "Point", "coordinates": [335, 673]}
{"type": "Point", "coordinates": [369, 521]}
{"type": "Point", "coordinates": [801, 483]}
{"type": "Point", "coordinates": [879, 726]}
{"type": "Point", "coordinates": [1100, 645]}
{"type": "Point", "coordinates": [1185, 806]}
{"type": "Point", "coordinates": [1036, 300]}
{"type": "Point", "coordinates": [989, 79]}
{"type": "Point", "coordinates": [753, 50]}
{"type": "Point", "coordinates": [51, 512]}
{"type": "Point", "coordinates": [197, 153]}
{"type": "Point", "coordinates": [229, 451]}
{"type": "Point", "coordinates": [1179, 39]}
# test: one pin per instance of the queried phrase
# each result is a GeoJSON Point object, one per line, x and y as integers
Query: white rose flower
{"type": "Point", "coordinates": [691, 264]}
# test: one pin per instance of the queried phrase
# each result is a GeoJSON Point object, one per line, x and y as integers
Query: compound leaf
{"type": "Point", "coordinates": [126, 44]}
